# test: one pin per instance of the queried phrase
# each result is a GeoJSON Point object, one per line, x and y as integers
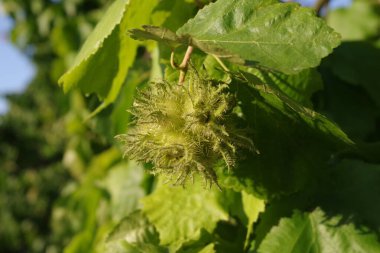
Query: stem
{"type": "Point", "coordinates": [224, 67]}
{"type": "Point", "coordinates": [182, 75]}
{"type": "Point", "coordinates": [186, 58]}
{"type": "Point", "coordinates": [183, 66]}
{"type": "Point", "coordinates": [319, 5]}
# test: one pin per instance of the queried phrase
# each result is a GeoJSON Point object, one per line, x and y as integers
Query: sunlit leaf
{"type": "Point", "coordinates": [253, 206]}
{"type": "Point", "coordinates": [134, 234]}
{"type": "Point", "coordinates": [314, 232]}
{"type": "Point", "coordinates": [281, 36]}
{"type": "Point", "coordinates": [103, 62]}
{"type": "Point", "coordinates": [181, 213]}
{"type": "Point", "coordinates": [123, 183]}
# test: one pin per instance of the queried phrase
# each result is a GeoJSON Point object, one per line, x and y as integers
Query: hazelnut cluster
{"type": "Point", "coordinates": [185, 129]}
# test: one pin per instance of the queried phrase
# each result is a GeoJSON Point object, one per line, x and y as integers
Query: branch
{"type": "Point", "coordinates": [199, 4]}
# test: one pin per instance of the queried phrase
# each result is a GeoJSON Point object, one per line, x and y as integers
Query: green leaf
{"type": "Point", "coordinates": [345, 64]}
{"type": "Point", "coordinates": [107, 29]}
{"type": "Point", "coordinates": [253, 206]}
{"type": "Point", "coordinates": [230, 236]}
{"type": "Point", "coordinates": [103, 61]}
{"type": "Point", "coordinates": [312, 232]}
{"type": "Point", "coordinates": [64, 38]}
{"type": "Point", "coordinates": [76, 211]}
{"type": "Point", "coordinates": [357, 119]}
{"type": "Point", "coordinates": [208, 249]}
{"type": "Point", "coordinates": [159, 34]}
{"type": "Point", "coordinates": [279, 208]}
{"type": "Point", "coordinates": [123, 183]}
{"type": "Point", "coordinates": [180, 214]}
{"type": "Point", "coordinates": [134, 234]}
{"type": "Point", "coordinates": [296, 144]}
{"type": "Point", "coordinates": [81, 242]}
{"type": "Point", "coordinates": [365, 27]}
{"type": "Point", "coordinates": [353, 190]}
{"type": "Point", "coordinates": [120, 116]}
{"type": "Point", "coordinates": [300, 87]}
{"type": "Point", "coordinates": [281, 36]}
{"type": "Point", "coordinates": [349, 190]}
{"type": "Point", "coordinates": [171, 15]}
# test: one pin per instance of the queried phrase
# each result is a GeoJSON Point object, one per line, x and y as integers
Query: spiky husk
{"type": "Point", "coordinates": [184, 130]}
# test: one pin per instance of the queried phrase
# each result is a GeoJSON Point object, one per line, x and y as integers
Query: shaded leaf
{"type": "Point", "coordinates": [229, 236]}
{"type": "Point", "coordinates": [296, 144]}
{"type": "Point", "coordinates": [357, 119]}
{"type": "Point", "coordinates": [300, 87]}
{"type": "Point", "coordinates": [120, 116]}
{"type": "Point", "coordinates": [353, 191]}
{"type": "Point", "coordinates": [207, 249]}
{"type": "Point", "coordinates": [173, 14]}
{"type": "Point", "coordinates": [159, 34]}
{"type": "Point", "coordinates": [345, 64]}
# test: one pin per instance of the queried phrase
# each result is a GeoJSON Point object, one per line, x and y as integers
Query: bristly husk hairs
{"type": "Point", "coordinates": [186, 129]}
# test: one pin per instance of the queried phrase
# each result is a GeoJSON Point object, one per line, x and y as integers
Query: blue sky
{"type": "Point", "coordinates": [16, 71]}
{"type": "Point", "coordinates": [333, 3]}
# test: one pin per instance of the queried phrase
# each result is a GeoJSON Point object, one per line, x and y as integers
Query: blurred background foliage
{"type": "Point", "coordinates": [44, 127]}
{"type": "Point", "coordinates": [63, 183]}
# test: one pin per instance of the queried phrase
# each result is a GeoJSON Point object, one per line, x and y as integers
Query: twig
{"type": "Point", "coordinates": [186, 58]}
{"type": "Point", "coordinates": [319, 5]}
{"type": "Point", "coordinates": [183, 66]}
{"type": "Point", "coordinates": [199, 4]}
{"type": "Point", "coordinates": [172, 62]}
